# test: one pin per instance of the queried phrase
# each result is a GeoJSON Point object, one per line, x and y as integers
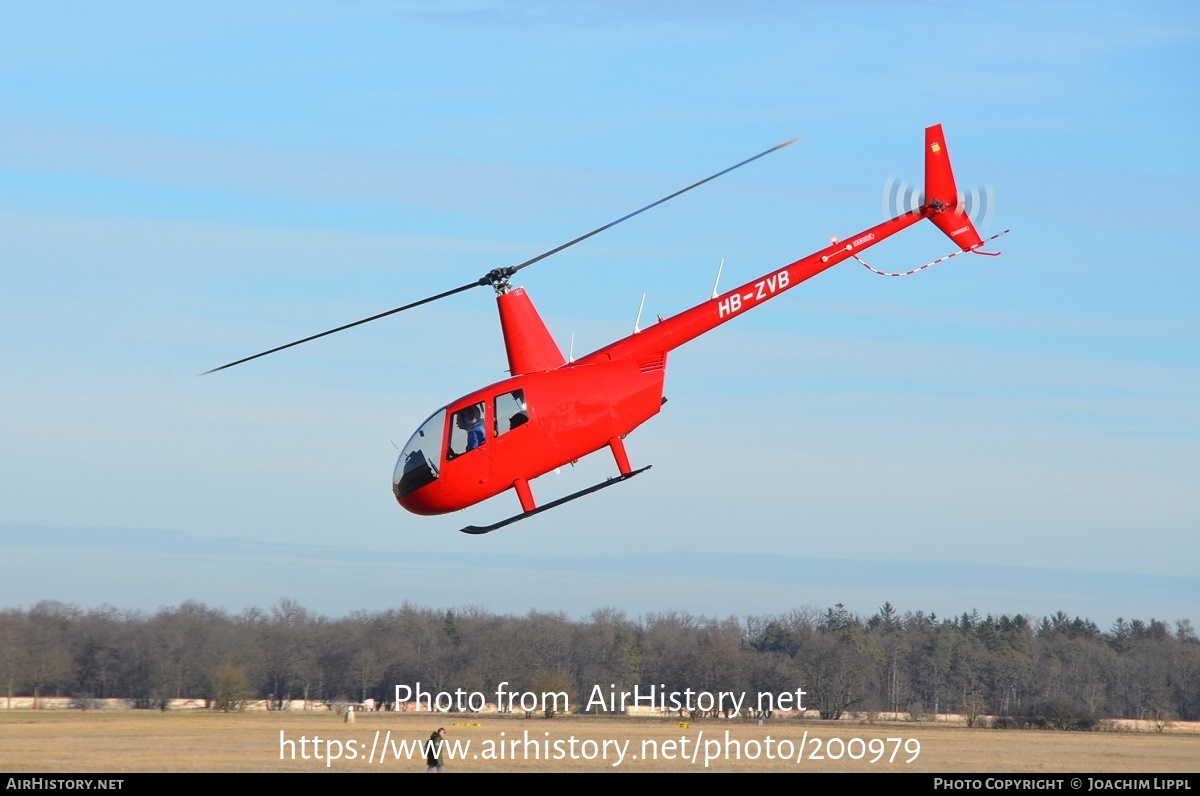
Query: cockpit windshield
{"type": "Point", "coordinates": [418, 463]}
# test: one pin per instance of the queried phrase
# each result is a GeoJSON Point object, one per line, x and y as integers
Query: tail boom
{"type": "Point", "coordinates": [673, 332]}
{"type": "Point", "coordinates": [942, 207]}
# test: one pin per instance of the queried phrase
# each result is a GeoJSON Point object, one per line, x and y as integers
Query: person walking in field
{"type": "Point", "coordinates": [435, 758]}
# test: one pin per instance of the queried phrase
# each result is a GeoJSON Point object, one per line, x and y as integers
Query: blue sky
{"type": "Point", "coordinates": [182, 185]}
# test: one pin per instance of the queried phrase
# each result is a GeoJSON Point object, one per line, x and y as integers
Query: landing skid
{"type": "Point", "coordinates": [481, 529]}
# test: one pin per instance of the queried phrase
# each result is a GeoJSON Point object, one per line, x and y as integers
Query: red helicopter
{"type": "Point", "coordinates": [552, 412]}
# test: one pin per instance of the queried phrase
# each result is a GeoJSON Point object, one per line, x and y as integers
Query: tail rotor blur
{"type": "Point", "coordinates": [899, 197]}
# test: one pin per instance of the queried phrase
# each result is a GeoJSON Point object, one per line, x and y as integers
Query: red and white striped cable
{"type": "Point", "coordinates": [935, 262]}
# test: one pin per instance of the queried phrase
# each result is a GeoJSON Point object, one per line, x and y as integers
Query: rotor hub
{"type": "Point", "coordinates": [498, 278]}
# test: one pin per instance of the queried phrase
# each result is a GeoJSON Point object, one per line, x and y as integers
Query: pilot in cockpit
{"type": "Point", "coordinates": [470, 420]}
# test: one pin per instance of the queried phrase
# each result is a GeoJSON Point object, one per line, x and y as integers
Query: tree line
{"type": "Point", "coordinates": [1060, 667]}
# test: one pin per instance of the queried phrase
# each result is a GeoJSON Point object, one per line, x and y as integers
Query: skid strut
{"type": "Point", "coordinates": [480, 529]}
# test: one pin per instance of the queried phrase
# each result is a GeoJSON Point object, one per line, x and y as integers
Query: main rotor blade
{"type": "Point", "coordinates": [498, 275]}
{"type": "Point", "coordinates": [598, 230]}
{"type": "Point", "coordinates": [351, 325]}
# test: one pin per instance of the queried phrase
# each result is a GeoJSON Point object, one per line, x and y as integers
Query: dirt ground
{"type": "Point", "coordinates": [201, 741]}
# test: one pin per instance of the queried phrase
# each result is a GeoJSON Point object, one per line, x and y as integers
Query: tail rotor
{"type": "Point", "coordinates": [899, 197]}
{"type": "Point", "coordinates": [956, 214]}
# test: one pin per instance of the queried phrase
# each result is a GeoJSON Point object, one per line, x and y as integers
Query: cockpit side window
{"type": "Point", "coordinates": [467, 430]}
{"type": "Point", "coordinates": [511, 412]}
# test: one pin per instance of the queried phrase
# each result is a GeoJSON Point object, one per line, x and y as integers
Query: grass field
{"type": "Point", "coordinates": [199, 741]}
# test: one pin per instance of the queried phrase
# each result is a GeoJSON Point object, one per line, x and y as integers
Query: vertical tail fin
{"type": "Point", "coordinates": [942, 205]}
